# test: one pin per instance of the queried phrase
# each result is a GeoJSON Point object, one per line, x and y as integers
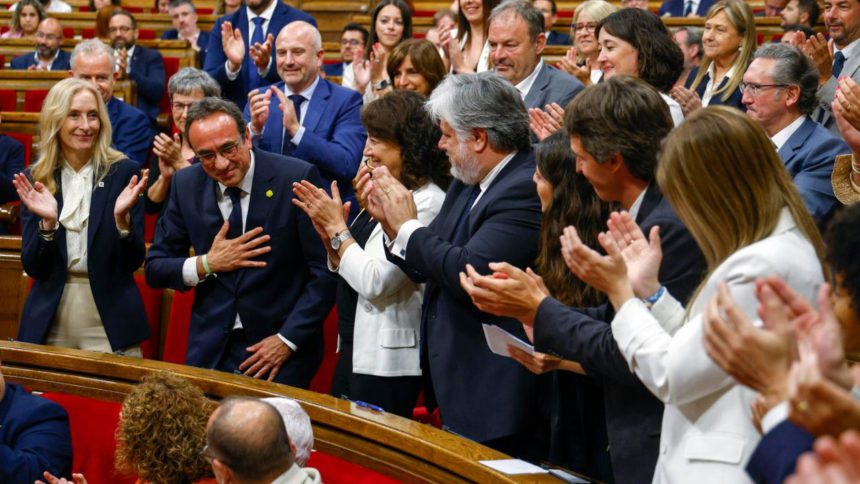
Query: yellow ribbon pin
{"type": "Point", "coordinates": [269, 194]}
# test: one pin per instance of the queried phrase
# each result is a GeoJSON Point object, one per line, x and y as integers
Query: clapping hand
{"type": "Point", "coordinates": [52, 479]}
{"type": "Point", "coordinates": [509, 291]}
{"type": "Point", "coordinates": [233, 45]}
{"type": "Point", "coordinates": [569, 64]}
{"type": "Point", "coordinates": [37, 199]}
{"type": "Point", "coordinates": [127, 199]}
{"type": "Point", "coordinates": [261, 54]}
{"type": "Point", "coordinates": [606, 273]}
{"type": "Point", "coordinates": [689, 100]}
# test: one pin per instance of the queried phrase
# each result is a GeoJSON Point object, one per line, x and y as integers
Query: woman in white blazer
{"type": "Point", "coordinates": [379, 307]}
{"type": "Point", "coordinates": [726, 182]}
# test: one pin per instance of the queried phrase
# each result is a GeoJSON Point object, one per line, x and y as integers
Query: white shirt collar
{"type": "Point", "coordinates": [246, 184]}
{"type": "Point", "coordinates": [266, 14]}
{"type": "Point", "coordinates": [849, 50]}
{"type": "Point", "coordinates": [526, 84]}
{"type": "Point", "coordinates": [637, 205]}
{"type": "Point", "coordinates": [780, 138]}
{"type": "Point", "coordinates": [489, 177]}
{"type": "Point", "coordinates": [307, 93]}
{"type": "Point", "coordinates": [49, 62]}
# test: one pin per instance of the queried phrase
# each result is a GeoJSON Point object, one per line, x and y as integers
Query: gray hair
{"type": "Point", "coordinates": [482, 101]}
{"type": "Point", "coordinates": [525, 10]}
{"type": "Point", "coordinates": [209, 106]}
{"type": "Point", "coordinates": [179, 3]}
{"type": "Point", "coordinates": [190, 79]}
{"type": "Point", "coordinates": [795, 69]}
{"type": "Point", "coordinates": [694, 37]}
{"type": "Point", "coordinates": [92, 48]}
{"type": "Point", "coordinates": [298, 426]}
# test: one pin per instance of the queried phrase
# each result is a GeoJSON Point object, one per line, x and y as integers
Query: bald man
{"type": "Point", "coordinates": [246, 442]}
{"type": "Point", "coordinates": [306, 116]}
{"type": "Point", "coordinates": [48, 56]}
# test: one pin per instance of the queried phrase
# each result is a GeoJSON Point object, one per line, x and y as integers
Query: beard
{"type": "Point", "coordinates": [467, 169]}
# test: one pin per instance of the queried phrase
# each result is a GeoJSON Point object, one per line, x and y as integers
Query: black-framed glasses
{"type": "Point", "coordinates": [589, 27]}
{"type": "Point", "coordinates": [178, 106]}
{"type": "Point", "coordinates": [351, 42]}
{"type": "Point", "coordinates": [755, 89]}
{"type": "Point", "coordinates": [227, 151]}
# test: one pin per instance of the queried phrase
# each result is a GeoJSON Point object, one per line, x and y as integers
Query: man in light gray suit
{"type": "Point", "coordinates": [516, 39]}
{"type": "Point", "coordinates": [843, 26]}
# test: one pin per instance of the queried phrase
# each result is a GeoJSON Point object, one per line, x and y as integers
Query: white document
{"type": "Point", "coordinates": [513, 466]}
{"type": "Point", "coordinates": [498, 340]}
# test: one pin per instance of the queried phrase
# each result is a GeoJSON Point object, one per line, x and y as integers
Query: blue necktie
{"type": "Point", "coordinates": [461, 230]}
{"type": "Point", "coordinates": [838, 64]}
{"type": "Point", "coordinates": [688, 7]}
{"type": "Point", "coordinates": [256, 38]}
{"type": "Point", "coordinates": [297, 100]}
{"type": "Point", "coordinates": [236, 213]}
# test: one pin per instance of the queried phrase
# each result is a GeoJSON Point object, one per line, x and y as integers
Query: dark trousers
{"type": "Point", "coordinates": [395, 394]}
{"type": "Point", "coordinates": [298, 371]}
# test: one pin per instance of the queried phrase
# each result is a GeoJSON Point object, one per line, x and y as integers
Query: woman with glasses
{"type": "Point", "coordinates": [174, 153]}
{"type": "Point", "coordinates": [26, 17]}
{"type": "Point", "coordinates": [82, 230]}
{"type": "Point", "coordinates": [729, 41]}
{"type": "Point", "coordinates": [379, 308]}
{"type": "Point", "coordinates": [581, 59]}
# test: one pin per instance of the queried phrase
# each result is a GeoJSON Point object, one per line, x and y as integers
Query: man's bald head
{"type": "Point", "coordinates": [49, 36]}
{"type": "Point", "coordinates": [299, 55]}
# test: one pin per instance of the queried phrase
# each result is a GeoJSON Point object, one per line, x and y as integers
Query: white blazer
{"type": "Point", "coordinates": [707, 434]}
{"type": "Point", "coordinates": [388, 313]}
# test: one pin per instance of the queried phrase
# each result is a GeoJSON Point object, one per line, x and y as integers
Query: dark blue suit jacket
{"type": "Point", "coordinates": [809, 155]}
{"type": "Point", "coordinates": [11, 163]}
{"type": "Point", "coordinates": [61, 63]}
{"type": "Point", "coordinates": [147, 71]}
{"type": "Point", "coordinates": [734, 100]}
{"type": "Point", "coordinates": [552, 86]}
{"type": "Point", "coordinates": [333, 69]}
{"type": "Point", "coordinates": [557, 38]}
{"type": "Point", "coordinates": [633, 415]}
{"type": "Point", "coordinates": [202, 43]}
{"type": "Point", "coordinates": [111, 264]}
{"type": "Point", "coordinates": [132, 131]}
{"type": "Point", "coordinates": [481, 395]}
{"type": "Point", "coordinates": [34, 437]}
{"type": "Point", "coordinates": [292, 295]}
{"type": "Point", "coordinates": [675, 8]}
{"type": "Point", "coordinates": [334, 136]}
{"type": "Point", "coordinates": [777, 452]}
{"type": "Point", "coordinates": [236, 90]}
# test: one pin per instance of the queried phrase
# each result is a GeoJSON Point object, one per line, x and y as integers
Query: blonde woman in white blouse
{"type": "Point", "coordinates": [82, 230]}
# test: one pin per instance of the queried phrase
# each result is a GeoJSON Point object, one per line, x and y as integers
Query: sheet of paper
{"type": "Point", "coordinates": [498, 340]}
{"type": "Point", "coordinates": [513, 466]}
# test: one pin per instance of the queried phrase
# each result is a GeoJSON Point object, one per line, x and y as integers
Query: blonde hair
{"type": "Point", "coordinates": [597, 10]}
{"type": "Point", "coordinates": [54, 112]}
{"type": "Point", "coordinates": [740, 15]}
{"type": "Point", "coordinates": [722, 175]}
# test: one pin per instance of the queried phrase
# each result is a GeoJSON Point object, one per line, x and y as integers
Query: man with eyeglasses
{"type": "Point", "coordinates": [48, 55]}
{"type": "Point", "coordinates": [183, 16]}
{"type": "Point", "coordinates": [144, 66]}
{"type": "Point", "coordinates": [780, 92]}
{"type": "Point", "coordinates": [262, 288]}
{"type": "Point", "coordinates": [353, 39]}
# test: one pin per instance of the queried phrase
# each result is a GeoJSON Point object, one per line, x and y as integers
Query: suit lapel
{"type": "Point", "coordinates": [795, 142]}
{"type": "Point", "coordinates": [97, 206]}
{"type": "Point", "coordinates": [317, 105]}
{"type": "Point", "coordinates": [649, 202]}
{"type": "Point", "coordinates": [488, 195]}
{"type": "Point", "coordinates": [536, 92]}
{"type": "Point", "coordinates": [61, 234]}
{"type": "Point", "coordinates": [276, 121]}
{"type": "Point", "coordinates": [456, 209]}
{"type": "Point", "coordinates": [212, 217]}
{"type": "Point", "coordinates": [260, 201]}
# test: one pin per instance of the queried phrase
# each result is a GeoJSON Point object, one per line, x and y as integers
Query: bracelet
{"type": "Point", "coordinates": [205, 261]}
{"type": "Point", "coordinates": [378, 86]}
{"type": "Point", "coordinates": [651, 300]}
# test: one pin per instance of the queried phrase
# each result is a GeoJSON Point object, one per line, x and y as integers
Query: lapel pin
{"type": "Point", "coordinates": [101, 184]}
{"type": "Point", "coordinates": [269, 194]}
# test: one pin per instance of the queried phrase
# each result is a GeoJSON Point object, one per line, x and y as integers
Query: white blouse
{"type": "Point", "coordinates": [77, 195]}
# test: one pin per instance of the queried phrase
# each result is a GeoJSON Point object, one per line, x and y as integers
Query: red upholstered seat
{"type": "Point", "coordinates": [2, 61]}
{"type": "Point", "coordinates": [34, 99]}
{"type": "Point", "coordinates": [26, 140]}
{"type": "Point", "coordinates": [152, 305]}
{"type": "Point", "coordinates": [88, 33]}
{"type": "Point", "coordinates": [322, 381]}
{"type": "Point", "coordinates": [171, 66]}
{"type": "Point", "coordinates": [146, 34]}
{"type": "Point", "coordinates": [8, 100]}
{"type": "Point", "coordinates": [334, 470]}
{"type": "Point", "coordinates": [178, 324]}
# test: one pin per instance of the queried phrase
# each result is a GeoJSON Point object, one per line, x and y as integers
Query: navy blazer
{"type": "Point", "coordinates": [111, 263]}
{"type": "Point", "coordinates": [777, 452]}
{"type": "Point", "coordinates": [552, 86]}
{"type": "Point", "coordinates": [11, 163]}
{"type": "Point", "coordinates": [23, 61]}
{"type": "Point", "coordinates": [675, 8]}
{"type": "Point", "coordinates": [291, 296]}
{"type": "Point", "coordinates": [334, 136]}
{"type": "Point", "coordinates": [132, 131]}
{"type": "Point", "coordinates": [236, 90]}
{"type": "Point", "coordinates": [34, 437]}
{"type": "Point", "coordinates": [633, 415]}
{"type": "Point", "coordinates": [202, 43]}
{"type": "Point", "coordinates": [147, 71]}
{"type": "Point", "coordinates": [734, 100]}
{"type": "Point", "coordinates": [557, 38]}
{"type": "Point", "coordinates": [808, 155]}
{"type": "Point", "coordinates": [481, 395]}
{"type": "Point", "coordinates": [334, 69]}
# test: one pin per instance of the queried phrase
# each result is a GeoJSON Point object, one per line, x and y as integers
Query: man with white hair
{"type": "Point", "coordinates": [298, 426]}
{"type": "Point", "coordinates": [93, 61]}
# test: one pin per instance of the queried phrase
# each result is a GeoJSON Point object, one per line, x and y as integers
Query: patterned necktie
{"type": "Point", "coordinates": [838, 64]}
{"type": "Point", "coordinates": [288, 146]}
{"type": "Point", "coordinates": [235, 219]}
{"type": "Point", "coordinates": [256, 38]}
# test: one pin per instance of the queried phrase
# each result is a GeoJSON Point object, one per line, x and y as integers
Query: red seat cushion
{"type": "Point", "coordinates": [27, 141]}
{"type": "Point", "coordinates": [178, 324]}
{"type": "Point", "coordinates": [322, 380]}
{"type": "Point", "coordinates": [171, 66]}
{"type": "Point", "coordinates": [8, 100]}
{"type": "Point", "coordinates": [88, 33]}
{"type": "Point", "coordinates": [146, 34]}
{"type": "Point", "coordinates": [334, 470]}
{"type": "Point", "coordinates": [2, 61]}
{"type": "Point", "coordinates": [34, 99]}
{"type": "Point", "coordinates": [152, 305]}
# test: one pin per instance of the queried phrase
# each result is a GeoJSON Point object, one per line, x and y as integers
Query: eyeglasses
{"type": "Point", "coordinates": [179, 107]}
{"type": "Point", "coordinates": [226, 151]}
{"type": "Point", "coordinates": [122, 29]}
{"type": "Point", "coordinates": [755, 89]}
{"type": "Point", "coordinates": [589, 27]}
{"type": "Point", "coordinates": [350, 42]}
{"type": "Point", "coordinates": [49, 37]}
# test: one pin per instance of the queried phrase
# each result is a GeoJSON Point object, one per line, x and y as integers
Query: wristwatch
{"type": "Point", "coordinates": [339, 239]}
{"type": "Point", "coordinates": [378, 86]}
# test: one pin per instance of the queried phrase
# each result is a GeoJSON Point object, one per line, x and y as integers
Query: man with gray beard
{"type": "Point", "coordinates": [491, 213]}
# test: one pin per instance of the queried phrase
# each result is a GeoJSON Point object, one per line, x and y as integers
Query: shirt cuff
{"type": "Point", "coordinates": [265, 72]}
{"type": "Point", "coordinates": [402, 239]}
{"type": "Point", "coordinates": [232, 75]}
{"type": "Point", "coordinates": [288, 343]}
{"type": "Point", "coordinates": [297, 138]}
{"type": "Point", "coordinates": [774, 417]}
{"type": "Point", "coordinates": [189, 272]}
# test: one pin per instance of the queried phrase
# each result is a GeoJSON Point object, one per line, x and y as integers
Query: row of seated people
{"type": "Point", "coordinates": [260, 276]}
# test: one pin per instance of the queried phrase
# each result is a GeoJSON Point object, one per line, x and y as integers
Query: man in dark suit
{"type": "Point", "coordinates": [306, 116]}
{"type": "Point", "coordinates": [183, 16]}
{"type": "Point", "coordinates": [11, 163]}
{"type": "Point", "coordinates": [616, 128]}
{"type": "Point", "coordinates": [352, 39]}
{"type": "Point", "coordinates": [34, 436]}
{"type": "Point", "coordinates": [491, 212]}
{"type": "Point", "coordinates": [781, 91]}
{"type": "Point", "coordinates": [516, 40]}
{"type": "Point", "coordinates": [132, 134]}
{"type": "Point", "coordinates": [685, 8]}
{"type": "Point", "coordinates": [550, 15]}
{"type": "Point", "coordinates": [239, 57]}
{"type": "Point", "coordinates": [48, 55]}
{"type": "Point", "coordinates": [144, 66]}
{"type": "Point", "coordinates": [261, 294]}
